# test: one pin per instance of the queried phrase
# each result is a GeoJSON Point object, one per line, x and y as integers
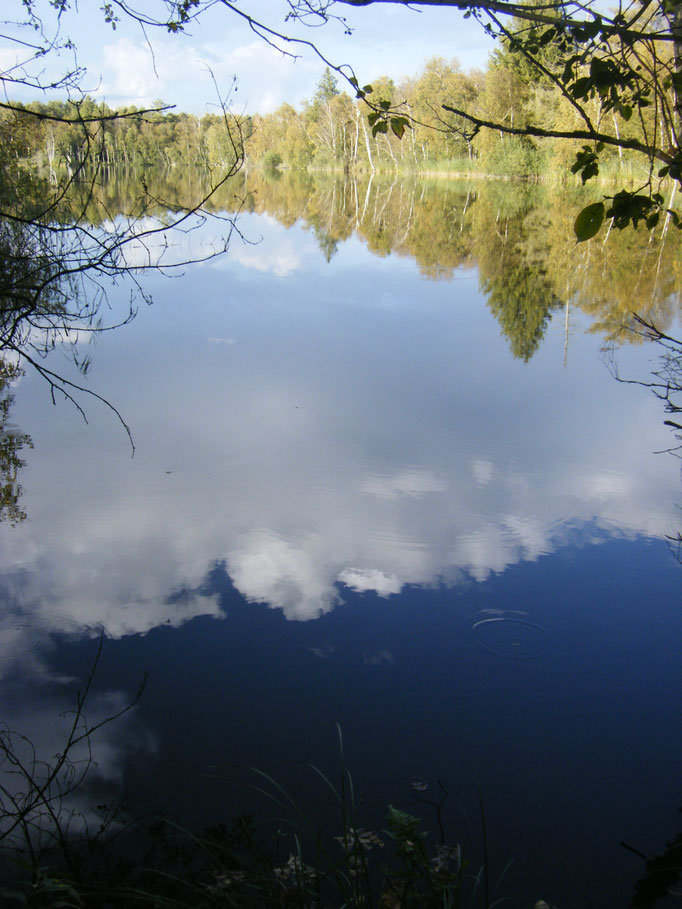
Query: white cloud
{"type": "Point", "coordinates": [367, 579]}
{"type": "Point", "coordinates": [186, 73]}
{"type": "Point", "coordinates": [482, 471]}
{"type": "Point", "coordinates": [283, 263]}
{"type": "Point", "coordinates": [486, 550]}
{"type": "Point", "coordinates": [8, 59]}
{"type": "Point", "coordinates": [605, 485]}
{"type": "Point", "coordinates": [131, 74]}
{"type": "Point", "coordinates": [268, 569]}
{"type": "Point", "coordinates": [388, 41]}
{"type": "Point", "coordinates": [530, 535]}
{"type": "Point", "coordinates": [324, 651]}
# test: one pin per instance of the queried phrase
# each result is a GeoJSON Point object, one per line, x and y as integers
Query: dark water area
{"type": "Point", "coordinates": [377, 494]}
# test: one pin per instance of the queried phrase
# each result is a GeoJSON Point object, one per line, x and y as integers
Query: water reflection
{"type": "Point", "coordinates": [464, 539]}
{"type": "Point", "coordinates": [315, 440]}
{"type": "Point", "coordinates": [508, 633]}
{"type": "Point", "coordinates": [519, 237]}
{"type": "Point", "coordinates": [12, 442]}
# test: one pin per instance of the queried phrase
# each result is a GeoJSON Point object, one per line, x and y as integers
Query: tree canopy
{"type": "Point", "coordinates": [626, 63]}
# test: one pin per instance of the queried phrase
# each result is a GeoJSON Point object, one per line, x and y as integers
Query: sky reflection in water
{"type": "Point", "coordinates": [352, 441]}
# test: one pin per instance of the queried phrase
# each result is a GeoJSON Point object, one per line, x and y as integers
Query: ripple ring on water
{"type": "Point", "coordinates": [507, 634]}
{"type": "Point", "coordinates": [19, 637]}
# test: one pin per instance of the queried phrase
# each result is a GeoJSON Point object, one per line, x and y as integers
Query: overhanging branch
{"type": "Point", "coordinates": [519, 11]}
{"type": "Point", "coordinates": [540, 133]}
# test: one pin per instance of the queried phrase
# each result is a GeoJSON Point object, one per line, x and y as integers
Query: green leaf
{"type": "Point", "coordinates": [384, 105]}
{"type": "Point", "coordinates": [581, 87]}
{"type": "Point", "coordinates": [398, 126]}
{"type": "Point", "coordinates": [589, 221]}
{"type": "Point", "coordinates": [663, 172]}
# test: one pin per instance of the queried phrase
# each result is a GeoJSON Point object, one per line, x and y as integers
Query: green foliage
{"type": "Point", "coordinates": [587, 162]}
{"type": "Point", "coordinates": [47, 863]}
{"type": "Point", "coordinates": [626, 208]}
{"type": "Point", "coordinates": [272, 159]}
{"type": "Point", "coordinates": [515, 156]}
{"type": "Point", "coordinates": [589, 221]}
{"type": "Point", "coordinates": [125, 136]}
{"type": "Point", "coordinates": [631, 208]}
{"type": "Point", "coordinates": [403, 130]}
{"type": "Point", "coordinates": [576, 80]}
{"type": "Point", "coordinates": [521, 298]}
{"type": "Point", "coordinates": [326, 88]}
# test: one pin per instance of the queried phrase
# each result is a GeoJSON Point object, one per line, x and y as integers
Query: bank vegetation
{"type": "Point", "coordinates": [331, 131]}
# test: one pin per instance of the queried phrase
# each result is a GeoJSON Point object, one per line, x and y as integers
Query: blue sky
{"type": "Point", "coordinates": [126, 66]}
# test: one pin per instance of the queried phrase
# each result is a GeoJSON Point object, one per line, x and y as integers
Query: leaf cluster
{"type": "Point", "coordinates": [380, 121]}
{"type": "Point", "coordinates": [626, 208]}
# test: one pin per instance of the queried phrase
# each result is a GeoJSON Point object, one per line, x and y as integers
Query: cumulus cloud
{"type": "Point", "coordinates": [186, 72]}
{"type": "Point", "coordinates": [282, 259]}
{"type": "Point", "coordinates": [131, 74]}
{"type": "Point", "coordinates": [367, 579]}
{"type": "Point", "coordinates": [268, 569]}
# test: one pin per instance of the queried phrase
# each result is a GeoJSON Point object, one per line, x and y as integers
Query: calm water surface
{"type": "Point", "coordinates": [349, 503]}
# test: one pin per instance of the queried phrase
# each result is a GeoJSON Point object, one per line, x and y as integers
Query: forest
{"type": "Point", "coordinates": [332, 131]}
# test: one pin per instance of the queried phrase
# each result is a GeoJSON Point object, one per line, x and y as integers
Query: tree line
{"type": "Point", "coordinates": [332, 130]}
{"type": "Point", "coordinates": [70, 134]}
{"type": "Point", "coordinates": [425, 133]}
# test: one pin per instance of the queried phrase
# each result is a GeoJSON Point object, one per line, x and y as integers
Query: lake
{"type": "Point", "coordinates": [386, 482]}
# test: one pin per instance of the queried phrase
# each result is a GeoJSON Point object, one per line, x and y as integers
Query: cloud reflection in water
{"type": "Point", "coordinates": [337, 446]}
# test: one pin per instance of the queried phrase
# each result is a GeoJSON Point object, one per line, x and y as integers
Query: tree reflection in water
{"type": "Point", "coordinates": [518, 236]}
{"type": "Point", "coordinates": [11, 443]}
